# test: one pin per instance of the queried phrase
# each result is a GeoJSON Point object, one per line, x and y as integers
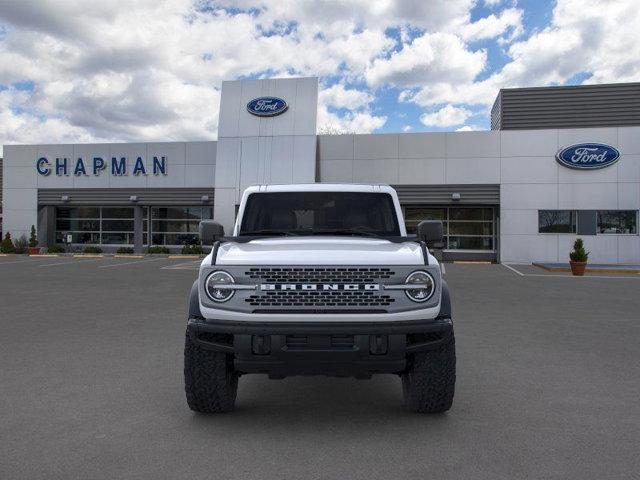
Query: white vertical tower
{"type": "Point", "coordinates": [263, 150]}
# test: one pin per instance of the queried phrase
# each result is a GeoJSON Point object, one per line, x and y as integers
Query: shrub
{"type": "Point", "coordinates": [21, 245]}
{"type": "Point", "coordinates": [33, 238]}
{"type": "Point", "coordinates": [92, 249]}
{"type": "Point", "coordinates": [158, 249]}
{"type": "Point", "coordinates": [55, 249]}
{"type": "Point", "coordinates": [579, 254]}
{"type": "Point", "coordinates": [7, 244]}
{"type": "Point", "coordinates": [125, 250]}
{"type": "Point", "coordinates": [191, 249]}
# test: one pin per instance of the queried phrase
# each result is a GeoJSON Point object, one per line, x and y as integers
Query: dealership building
{"type": "Point", "coordinates": [559, 163]}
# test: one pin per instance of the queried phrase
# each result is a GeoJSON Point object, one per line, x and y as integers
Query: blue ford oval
{"type": "Point", "coordinates": [588, 156]}
{"type": "Point", "coordinates": [267, 106]}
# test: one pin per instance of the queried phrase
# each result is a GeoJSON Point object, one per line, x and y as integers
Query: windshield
{"type": "Point", "coordinates": [320, 213]}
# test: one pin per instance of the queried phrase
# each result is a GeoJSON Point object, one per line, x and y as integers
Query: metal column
{"type": "Point", "coordinates": [138, 228]}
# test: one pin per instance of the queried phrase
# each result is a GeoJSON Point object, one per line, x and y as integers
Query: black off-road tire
{"type": "Point", "coordinates": [210, 382]}
{"type": "Point", "coordinates": [428, 384]}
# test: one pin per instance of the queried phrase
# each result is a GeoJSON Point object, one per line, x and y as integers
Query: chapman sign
{"type": "Point", "coordinates": [96, 165]}
{"type": "Point", "coordinates": [267, 106]}
{"type": "Point", "coordinates": [588, 156]}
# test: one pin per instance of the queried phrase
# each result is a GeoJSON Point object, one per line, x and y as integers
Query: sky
{"type": "Point", "coordinates": [77, 71]}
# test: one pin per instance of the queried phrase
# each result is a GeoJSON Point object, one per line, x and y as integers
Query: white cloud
{"type": "Point", "coordinates": [583, 37]}
{"type": "Point", "coordinates": [433, 57]}
{"type": "Point", "coordinates": [509, 20]}
{"type": "Point", "coordinates": [407, 128]}
{"type": "Point", "coordinates": [338, 96]}
{"type": "Point", "coordinates": [151, 69]}
{"type": "Point", "coordinates": [469, 128]}
{"type": "Point", "coordinates": [447, 116]}
{"type": "Point", "coordinates": [351, 122]}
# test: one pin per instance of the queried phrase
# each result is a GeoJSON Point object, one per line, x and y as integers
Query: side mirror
{"type": "Point", "coordinates": [430, 231]}
{"type": "Point", "coordinates": [210, 232]}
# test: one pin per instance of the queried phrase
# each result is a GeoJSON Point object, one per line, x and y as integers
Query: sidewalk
{"type": "Point", "coordinates": [593, 268]}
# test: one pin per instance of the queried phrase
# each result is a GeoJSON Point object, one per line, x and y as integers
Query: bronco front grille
{"type": "Point", "coordinates": [319, 274]}
{"type": "Point", "coordinates": [335, 298]}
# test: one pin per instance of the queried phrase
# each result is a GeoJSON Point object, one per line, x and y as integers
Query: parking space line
{"type": "Point", "coordinates": [183, 266]}
{"type": "Point", "coordinates": [513, 269]}
{"type": "Point", "coordinates": [20, 261]}
{"type": "Point", "coordinates": [130, 263]}
{"type": "Point", "coordinates": [70, 262]}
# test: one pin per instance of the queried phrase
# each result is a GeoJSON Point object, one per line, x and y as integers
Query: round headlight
{"type": "Point", "coordinates": [426, 289]}
{"type": "Point", "coordinates": [211, 285]}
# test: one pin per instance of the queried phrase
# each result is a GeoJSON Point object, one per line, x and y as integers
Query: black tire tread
{"type": "Point", "coordinates": [210, 383]}
{"type": "Point", "coordinates": [429, 382]}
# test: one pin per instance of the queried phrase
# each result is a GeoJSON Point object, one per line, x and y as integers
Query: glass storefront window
{"type": "Point", "coordinates": [463, 213]}
{"type": "Point", "coordinates": [464, 228]}
{"type": "Point", "coordinates": [414, 215]}
{"type": "Point", "coordinates": [618, 221]}
{"type": "Point", "coordinates": [115, 225]}
{"type": "Point", "coordinates": [470, 243]}
{"type": "Point", "coordinates": [556, 221]}
{"type": "Point", "coordinates": [95, 225]}
{"type": "Point", "coordinates": [78, 212]}
{"type": "Point", "coordinates": [177, 225]}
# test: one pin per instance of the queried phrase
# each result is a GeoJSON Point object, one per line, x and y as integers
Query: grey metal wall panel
{"type": "Point", "coordinates": [121, 196]}
{"type": "Point", "coordinates": [443, 194]}
{"type": "Point", "coordinates": [567, 107]}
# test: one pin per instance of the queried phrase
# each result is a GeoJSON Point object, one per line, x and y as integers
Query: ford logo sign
{"type": "Point", "coordinates": [588, 156]}
{"type": "Point", "coordinates": [267, 106]}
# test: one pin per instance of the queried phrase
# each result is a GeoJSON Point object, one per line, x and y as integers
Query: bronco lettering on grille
{"type": "Point", "coordinates": [319, 286]}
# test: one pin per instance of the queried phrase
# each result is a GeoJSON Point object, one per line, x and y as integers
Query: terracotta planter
{"type": "Point", "coordinates": [34, 250]}
{"type": "Point", "coordinates": [578, 268]}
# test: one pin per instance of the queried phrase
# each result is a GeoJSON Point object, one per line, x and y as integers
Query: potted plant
{"type": "Point", "coordinates": [578, 258]}
{"type": "Point", "coordinates": [33, 242]}
{"type": "Point", "coordinates": [21, 245]}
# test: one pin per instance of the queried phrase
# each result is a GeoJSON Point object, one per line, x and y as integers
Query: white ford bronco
{"type": "Point", "coordinates": [320, 279]}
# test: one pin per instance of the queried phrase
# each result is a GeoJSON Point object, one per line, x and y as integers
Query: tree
{"type": "Point", "coordinates": [33, 239]}
{"type": "Point", "coordinates": [7, 244]}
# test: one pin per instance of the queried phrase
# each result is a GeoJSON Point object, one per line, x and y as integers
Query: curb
{"type": "Point", "coordinates": [472, 262]}
{"type": "Point", "coordinates": [589, 270]}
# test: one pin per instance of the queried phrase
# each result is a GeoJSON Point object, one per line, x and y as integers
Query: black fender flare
{"type": "Point", "coordinates": [445, 301]}
{"type": "Point", "coordinates": [194, 302]}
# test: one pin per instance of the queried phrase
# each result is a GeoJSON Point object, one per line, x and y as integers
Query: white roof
{"type": "Point", "coordinates": [321, 187]}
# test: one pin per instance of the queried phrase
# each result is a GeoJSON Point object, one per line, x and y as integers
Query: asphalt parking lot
{"type": "Point", "coordinates": [91, 385]}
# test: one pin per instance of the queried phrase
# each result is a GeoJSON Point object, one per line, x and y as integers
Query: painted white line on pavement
{"type": "Point", "coordinates": [513, 269]}
{"type": "Point", "coordinates": [21, 261]}
{"type": "Point", "coordinates": [70, 262]}
{"type": "Point", "coordinates": [444, 270]}
{"type": "Point", "coordinates": [130, 263]}
{"type": "Point", "coordinates": [183, 266]}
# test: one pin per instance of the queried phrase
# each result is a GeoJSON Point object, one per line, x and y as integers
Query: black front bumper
{"type": "Point", "coordinates": [340, 349]}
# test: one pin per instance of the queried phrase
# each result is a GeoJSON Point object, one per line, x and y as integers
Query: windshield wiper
{"type": "Point", "coordinates": [268, 231]}
{"type": "Point", "coordinates": [363, 231]}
